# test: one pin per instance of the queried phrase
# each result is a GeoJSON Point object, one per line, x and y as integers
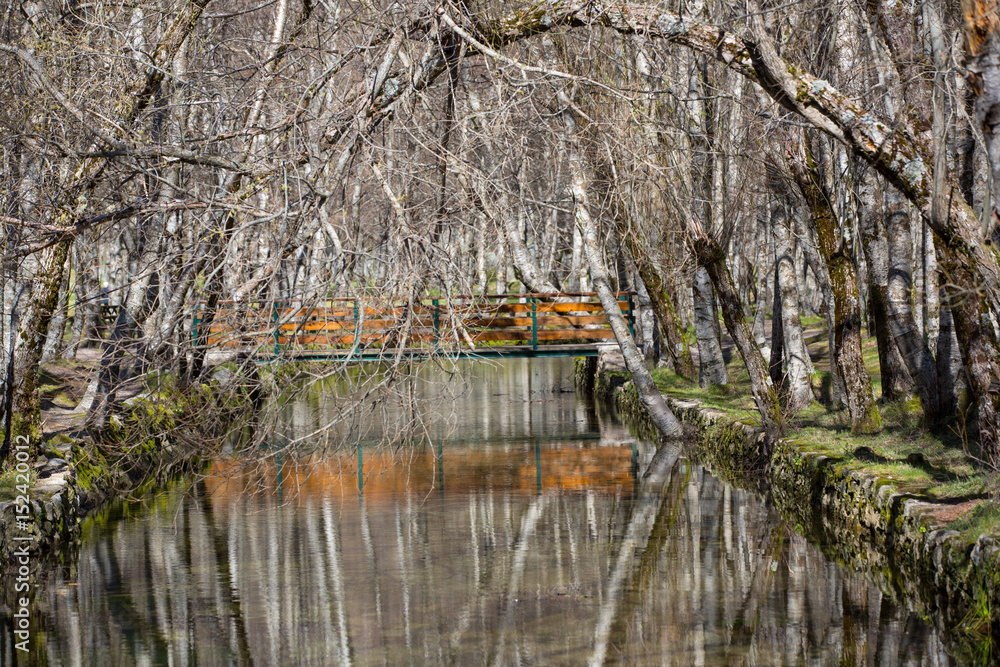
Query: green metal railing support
{"type": "Point", "coordinates": [437, 324]}
{"type": "Point", "coordinates": [361, 473]}
{"type": "Point", "coordinates": [357, 328]}
{"type": "Point", "coordinates": [277, 330]}
{"type": "Point", "coordinates": [534, 324]}
{"type": "Point", "coordinates": [631, 316]}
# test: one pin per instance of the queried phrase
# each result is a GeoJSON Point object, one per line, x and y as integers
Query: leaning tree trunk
{"type": "Point", "coordinates": [663, 303]}
{"type": "Point", "coordinates": [25, 406]}
{"type": "Point", "coordinates": [865, 417]}
{"type": "Point", "coordinates": [672, 332]}
{"type": "Point", "coordinates": [649, 395]}
{"type": "Point", "coordinates": [711, 257]}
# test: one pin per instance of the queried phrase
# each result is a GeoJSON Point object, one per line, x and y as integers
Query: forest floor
{"type": "Point", "coordinates": [938, 464]}
{"type": "Point", "coordinates": [62, 385]}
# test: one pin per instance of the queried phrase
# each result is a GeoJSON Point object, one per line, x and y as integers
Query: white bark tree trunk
{"type": "Point", "coordinates": [649, 395]}
{"type": "Point", "coordinates": [797, 363]}
{"type": "Point", "coordinates": [711, 365]}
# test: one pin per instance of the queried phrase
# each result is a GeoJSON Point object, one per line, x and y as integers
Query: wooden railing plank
{"type": "Point", "coordinates": [533, 318]}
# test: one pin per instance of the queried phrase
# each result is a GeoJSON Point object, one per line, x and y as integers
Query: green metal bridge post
{"type": "Point", "coordinates": [361, 474]}
{"type": "Point", "coordinates": [357, 328]}
{"type": "Point", "coordinates": [437, 324]}
{"type": "Point", "coordinates": [631, 316]}
{"type": "Point", "coordinates": [277, 330]}
{"type": "Point", "coordinates": [534, 324]}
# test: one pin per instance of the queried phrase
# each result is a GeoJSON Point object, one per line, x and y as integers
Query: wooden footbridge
{"type": "Point", "coordinates": [354, 329]}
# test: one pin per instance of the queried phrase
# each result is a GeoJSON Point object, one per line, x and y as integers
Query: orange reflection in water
{"type": "Point", "coordinates": [394, 474]}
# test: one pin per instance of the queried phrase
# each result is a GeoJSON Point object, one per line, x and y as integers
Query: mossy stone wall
{"type": "Point", "coordinates": [860, 520]}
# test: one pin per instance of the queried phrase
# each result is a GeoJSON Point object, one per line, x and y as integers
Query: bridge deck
{"type": "Point", "coordinates": [493, 352]}
{"type": "Point", "coordinates": [496, 326]}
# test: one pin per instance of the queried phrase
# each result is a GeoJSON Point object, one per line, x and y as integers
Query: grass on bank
{"type": "Point", "coordinates": [933, 464]}
{"type": "Point", "coordinates": [10, 480]}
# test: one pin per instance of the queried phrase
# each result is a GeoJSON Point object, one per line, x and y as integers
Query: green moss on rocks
{"type": "Point", "coordinates": [152, 439]}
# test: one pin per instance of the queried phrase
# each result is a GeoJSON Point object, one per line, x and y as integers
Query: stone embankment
{"type": "Point", "coordinates": [861, 520]}
{"type": "Point", "coordinates": [154, 438]}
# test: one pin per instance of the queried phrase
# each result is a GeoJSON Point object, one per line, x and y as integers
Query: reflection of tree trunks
{"type": "Point", "coordinates": [640, 526]}
{"type": "Point", "coordinates": [795, 607]}
{"type": "Point", "coordinates": [331, 530]}
{"type": "Point", "coordinates": [760, 585]}
{"type": "Point", "coordinates": [642, 577]}
{"type": "Point", "coordinates": [220, 546]}
{"type": "Point", "coordinates": [372, 562]}
{"type": "Point", "coordinates": [525, 535]}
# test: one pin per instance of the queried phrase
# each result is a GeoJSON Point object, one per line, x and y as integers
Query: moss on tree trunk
{"type": "Point", "coordinates": [26, 420]}
{"type": "Point", "coordinates": [847, 357]}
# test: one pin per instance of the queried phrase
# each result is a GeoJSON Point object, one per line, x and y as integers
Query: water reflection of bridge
{"type": "Point", "coordinates": [560, 324]}
{"type": "Point", "coordinates": [490, 577]}
{"type": "Point", "coordinates": [454, 556]}
{"type": "Point", "coordinates": [382, 473]}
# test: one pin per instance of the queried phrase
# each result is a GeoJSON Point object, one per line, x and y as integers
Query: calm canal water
{"type": "Point", "coordinates": [525, 529]}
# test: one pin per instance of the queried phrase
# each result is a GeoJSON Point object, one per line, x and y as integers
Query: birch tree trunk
{"type": "Point", "coordinates": [711, 366]}
{"type": "Point", "coordinates": [948, 362]}
{"type": "Point", "coordinates": [796, 356]}
{"type": "Point", "coordinates": [912, 346]}
{"type": "Point", "coordinates": [25, 406]}
{"type": "Point", "coordinates": [649, 395]}
{"type": "Point", "coordinates": [896, 381]}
